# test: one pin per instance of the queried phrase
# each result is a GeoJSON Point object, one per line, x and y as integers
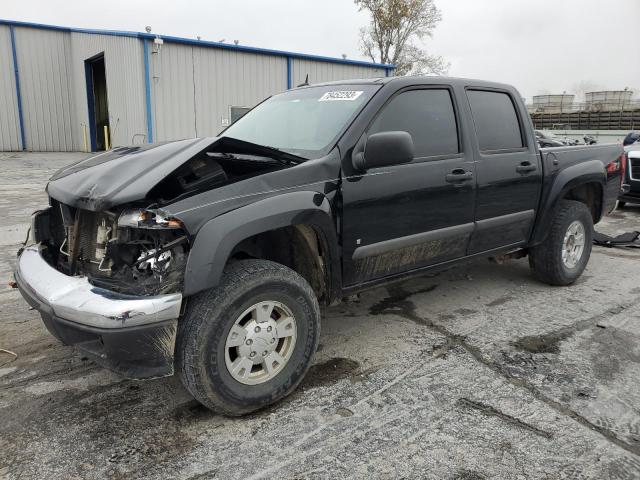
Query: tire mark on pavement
{"type": "Point", "coordinates": [494, 412]}
{"type": "Point", "coordinates": [398, 303]}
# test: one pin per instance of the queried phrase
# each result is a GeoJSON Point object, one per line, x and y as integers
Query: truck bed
{"type": "Point", "coordinates": [557, 161]}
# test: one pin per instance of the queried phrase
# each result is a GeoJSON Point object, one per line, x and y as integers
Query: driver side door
{"type": "Point", "coordinates": [404, 217]}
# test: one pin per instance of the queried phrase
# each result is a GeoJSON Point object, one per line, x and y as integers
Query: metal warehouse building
{"type": "Point", "coordinates": [60, 87]}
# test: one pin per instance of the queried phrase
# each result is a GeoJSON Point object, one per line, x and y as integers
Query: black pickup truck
{"type": "Point", "coordinates": [213, 255]}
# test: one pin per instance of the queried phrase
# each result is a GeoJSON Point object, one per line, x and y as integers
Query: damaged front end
{"type": "Point", "coordinates": [108, 283]}
{"type": "Point", "coordinates": [129, 251]}
{"type": "Point", "coordinates": [108, 265]}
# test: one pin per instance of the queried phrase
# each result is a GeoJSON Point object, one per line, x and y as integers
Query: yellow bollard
{"type": "Point", "coordinates": [107, 144]}
{"type": "Point", "coordinates": [85, 138]}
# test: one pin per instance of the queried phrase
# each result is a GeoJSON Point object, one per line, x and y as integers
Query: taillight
{"type": "Point", "coordinates": [618, 164]}
{"type": "Point", "coordinates": [623, 167]}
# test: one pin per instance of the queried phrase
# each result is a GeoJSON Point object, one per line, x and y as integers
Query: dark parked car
{"type": "Point", "coordinates": [213, 255]}
{"type": "Point", "coordinates": [545, 140]}
{"type": "Point", "coordinates": [631, 138]}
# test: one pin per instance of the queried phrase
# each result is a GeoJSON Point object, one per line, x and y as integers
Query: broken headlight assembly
{"type": "Point", "coordinates": [146, 218]}
{"type": "Point", "coordinates": [145, 254]}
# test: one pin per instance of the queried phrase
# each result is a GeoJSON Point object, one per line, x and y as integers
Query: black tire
{"type": "Point", "coordinates": [202, 333]}
{"type": "Point", "coordinates": [545, 259]}
{"type": "Point", "coordinates": [621, 204]}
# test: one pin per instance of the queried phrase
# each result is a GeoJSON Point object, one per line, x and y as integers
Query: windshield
{"type": "Point", "coordinates": [304, 122]}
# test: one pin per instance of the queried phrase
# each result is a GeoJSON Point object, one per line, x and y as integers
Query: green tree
{"type": "Point", "coordinates": [395, 34]}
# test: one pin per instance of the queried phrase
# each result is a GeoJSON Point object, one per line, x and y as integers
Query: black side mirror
{"type": "Point", "coordinates": [385, 149]}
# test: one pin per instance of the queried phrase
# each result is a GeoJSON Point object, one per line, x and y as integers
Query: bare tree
{"type": "Point", "coordinates": [396, 30]}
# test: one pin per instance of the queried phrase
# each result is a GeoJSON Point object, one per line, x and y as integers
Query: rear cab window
{"type": "Point", "coordinates": [496, 121]}
{"type": "Point", "coordinates": [427, 115]}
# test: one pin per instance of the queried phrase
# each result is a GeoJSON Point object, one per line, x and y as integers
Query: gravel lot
{"type": "Point", "coordinates": [478, 372]}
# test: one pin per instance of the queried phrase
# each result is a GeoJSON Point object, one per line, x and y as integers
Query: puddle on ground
{"type": "Point", "coordinates": [329, 372]}
{"type": "Point", "coordinates": [542, 343]}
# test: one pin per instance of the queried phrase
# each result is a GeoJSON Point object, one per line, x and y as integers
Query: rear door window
{"type": "Point", "coordinates": [496, 120]}
{"type": "Point", "coordinates": [427, 115]}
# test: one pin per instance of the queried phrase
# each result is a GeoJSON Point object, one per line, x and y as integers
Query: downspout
{"type": "Point", "coordinates": [18, 94]}
{"type": "Point", "coordinates": [147, 88]}
{"type": "Point", "coordinates": [289, 73]}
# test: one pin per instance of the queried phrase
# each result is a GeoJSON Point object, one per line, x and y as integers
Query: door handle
{"type": "Point", "coordinates": [526, 167]}
{"type": "Point", "coordinates": [458, 175]}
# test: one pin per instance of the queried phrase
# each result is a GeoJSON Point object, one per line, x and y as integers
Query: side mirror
{"type": "Point", "coordinates": [385, 149]}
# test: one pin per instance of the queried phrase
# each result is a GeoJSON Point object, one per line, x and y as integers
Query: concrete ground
{"type": "Point", "coordinates": [479, 372]}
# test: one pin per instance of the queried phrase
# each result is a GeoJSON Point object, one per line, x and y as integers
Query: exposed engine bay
{"type": "Point", "coordinates": [134, 248]}
{"type": "Point", "coordinates": [145, 258]}
{"type": "Point", "coordinates": [210, 170]}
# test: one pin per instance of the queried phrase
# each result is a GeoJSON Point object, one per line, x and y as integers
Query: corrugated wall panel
{"type": "Point", "coordinates": [326, 71]}
{"type": "Point", "coordinates": [224, 79]}
{"type": "Point", "coordinates": [9, 122]}
{"type": "Point", "coordinates": [172, 91]}
{"type": "Point", "coordinates": [192, 86]}
{"type": "Point", "coordinates": [124, 64]}
{"type": "Point", "coordinates": [45, 89]}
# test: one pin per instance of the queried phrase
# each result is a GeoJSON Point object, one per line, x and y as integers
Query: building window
{"type": "Point", "coordinates": [236, 113]}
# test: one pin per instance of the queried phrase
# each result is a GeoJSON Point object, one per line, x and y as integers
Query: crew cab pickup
{"type": "Point", "coordinates": [212, 256]}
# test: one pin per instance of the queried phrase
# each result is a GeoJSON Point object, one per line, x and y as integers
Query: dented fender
{"type": "Point", "coordinates": [217, 238]}
{"type": "Point", "coordinates": [592, 171]}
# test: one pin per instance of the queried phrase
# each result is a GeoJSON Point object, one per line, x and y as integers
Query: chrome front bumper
{"type": "Point", "coordinates": [74, 299]}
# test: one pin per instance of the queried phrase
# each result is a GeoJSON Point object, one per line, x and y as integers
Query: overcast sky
{"type": "Point", "coordinates": [541, 46]}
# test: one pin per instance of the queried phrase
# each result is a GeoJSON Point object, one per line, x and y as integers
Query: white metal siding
{"type": "Point", "coordinates": [225, 78]}
{"type": "Point", "coordinates": [192, 86]}
{"type": "Point", "coordinates": [327, 71]}
{"type": "Point", "coordinates": [124, 67]}
{"type": "Point", "coordinates": [45, 89]}
{"type": "Point", "coordinates": [9, 120]}
{"type": "Point", "coordinates": [172, 92]}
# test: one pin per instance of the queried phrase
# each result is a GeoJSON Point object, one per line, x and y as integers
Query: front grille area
{"type": "Point", "coordinates": [634, 168]}
{"type": "Point", "coordinates": [74, 232]}
{"type": "Point", "coordinates": [131, 260]}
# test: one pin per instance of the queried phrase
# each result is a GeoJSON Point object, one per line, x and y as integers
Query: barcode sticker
{"type": "Point", "coordinates": [342, 95]}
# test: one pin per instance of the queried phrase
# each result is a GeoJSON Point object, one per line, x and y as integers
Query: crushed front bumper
{"type": "Point", "coordinates": [133, 336]}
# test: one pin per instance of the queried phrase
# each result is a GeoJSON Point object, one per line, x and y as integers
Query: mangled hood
{"type": "Point", "coordinates": [129, 174]}
{"type": "Point", "coordinates": [121, 175]}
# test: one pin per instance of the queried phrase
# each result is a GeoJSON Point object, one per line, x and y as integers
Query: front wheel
{"type": "Point", "coordinates": [248, 342]}
{"type": "Point", "coordinates": [564, 254]}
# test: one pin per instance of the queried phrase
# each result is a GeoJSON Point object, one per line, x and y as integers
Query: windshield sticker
{"type": "Point", "coordinates": [348, 95]}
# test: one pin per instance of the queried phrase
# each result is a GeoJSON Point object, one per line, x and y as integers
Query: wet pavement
{"type": "Point", "coordinates": [478, 372]}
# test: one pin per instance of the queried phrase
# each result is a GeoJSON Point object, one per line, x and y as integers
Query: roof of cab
{"type": "Point", "coordinates": [419, 80]}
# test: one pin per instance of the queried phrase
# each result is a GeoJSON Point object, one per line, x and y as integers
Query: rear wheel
{"type": "Point", "coordinates": [248, 342]}
{"type": "Point", "coordinates": [563, 256]}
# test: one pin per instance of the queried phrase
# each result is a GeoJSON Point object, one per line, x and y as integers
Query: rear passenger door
{"type": "Point", "coordinates": [508, 171]}
{"type": "Point", "coordinates": [403, 217]}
